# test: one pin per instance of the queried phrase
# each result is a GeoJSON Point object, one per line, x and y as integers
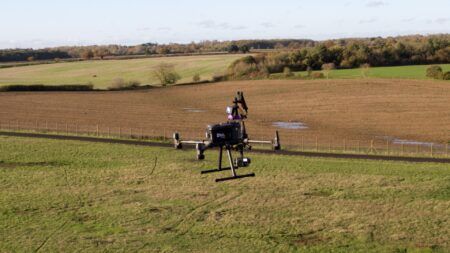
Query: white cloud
{"type": "Point", "coordinates": [375, 4]}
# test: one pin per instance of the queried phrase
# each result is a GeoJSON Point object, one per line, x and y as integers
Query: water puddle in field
{"type": "Point", "coordinates": [412, 142]}
{"type": "Point", "coordinates": [290, 125]}
{"type": "Point", "coordinates": [409, 142]}
{"type": "Point", "coordinates": [194, 110]}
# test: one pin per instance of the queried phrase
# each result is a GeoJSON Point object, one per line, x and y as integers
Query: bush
{"type": "Point", "coordinates": [166, 74]}
{"type": "Point", "coordinates": [317, 75]}
{"type": "Point", "coordinates": [120, 84]}
{"type": "Point", "coordinates": [446, 75]}
{"type": "Point", "coordinates": [219, 78]}
{"type": "Point", "coordinates": [196, 78]}
{"type": "Point", "coordinates": [287, 72]}
{"type": "Point", "coordinates": [434, 72]}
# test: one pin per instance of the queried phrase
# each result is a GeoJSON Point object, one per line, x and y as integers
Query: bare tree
{"type": "Point", "coordinates": [365, 70]}
{"type": "Point", "coordinates": [327, 68]}
{"type": "Point", "coordinates": [166, 74]}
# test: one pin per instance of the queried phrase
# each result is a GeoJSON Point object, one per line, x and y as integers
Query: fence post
{"type": "Point", "coordinates": [403, 148]}
{"type": "Point", "coordinates": [345, 145]}
{"type": "Point", "coordinates": [431, 149]}
{"type": "Point", "coordinates": [109, 132]}
{"type": "Point", "coordinates": [67, 129]}
{"type": "Point", "coordinates": [97, 131]}
{"type": "Point", "coordinates": [329, 147]}
{"type": "Point", "coordinates": [164, 134]}
{"type": "Point", "coordinates": [359, 147]}
{"type": "Point", "coordinates": [56, 127]}
{"type": "Point", "coordinates": [317, 144]}
{"type": "Point", "coordinates": [387, 147]}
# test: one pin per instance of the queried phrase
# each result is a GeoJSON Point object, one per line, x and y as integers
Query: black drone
{"type": "Point", "coordinates": [230, 135]}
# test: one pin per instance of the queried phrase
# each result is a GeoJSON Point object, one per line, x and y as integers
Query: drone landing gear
{"type": "Point", "coordinates": [233, 167]}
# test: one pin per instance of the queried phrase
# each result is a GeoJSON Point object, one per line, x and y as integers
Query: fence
{"type": "Point", "coordinates": [291, 140]}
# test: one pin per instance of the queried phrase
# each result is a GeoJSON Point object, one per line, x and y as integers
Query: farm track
{"type": "Point", "coordinates": [257, 151]}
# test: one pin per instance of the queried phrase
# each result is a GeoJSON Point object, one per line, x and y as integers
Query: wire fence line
{"type": "Point", "coordinates": [291, 140]}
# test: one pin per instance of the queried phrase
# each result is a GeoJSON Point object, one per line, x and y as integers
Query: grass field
{"type": "Point", "coordinates": [106, 71]}
{"type": "Point", "coordinates": [337, 109]}
{"type": "Point", "coordinates": [400, 72]}
{"type": "Point", "coordinates": [102, 73]}
{"type": "Point", "coordinates": [73, 196]}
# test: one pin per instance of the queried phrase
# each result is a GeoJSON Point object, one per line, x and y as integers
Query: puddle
{"type": "Point", "coordinates": [410, 142]}
{"type": "Point", "coordinates": [290, 125]}
{"type": "Point", "coordinates": [195, 110]}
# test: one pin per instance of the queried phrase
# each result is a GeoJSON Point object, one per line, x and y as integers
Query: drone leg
{"type": "Point", "coordinates": [220, 157]}
{"type": "Point", "coordinates": [233, 170]}
{"type": "Point", "coordinates": [230, 158]}
{"type": "Point", "coordinates": [220, 164]}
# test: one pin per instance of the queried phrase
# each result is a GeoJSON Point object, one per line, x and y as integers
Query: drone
{"type": "Point", "coordinates": [229, 136]}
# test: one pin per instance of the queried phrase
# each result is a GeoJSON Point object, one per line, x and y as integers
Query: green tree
{"type": "Point", "coordinates": [233, 48]}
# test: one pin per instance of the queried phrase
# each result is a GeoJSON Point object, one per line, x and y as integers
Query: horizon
{"type": "Point", "coordinates": [48, 24]}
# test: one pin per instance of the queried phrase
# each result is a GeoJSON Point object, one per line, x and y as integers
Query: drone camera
{"type": "Point", "coordinates": [243, 161]}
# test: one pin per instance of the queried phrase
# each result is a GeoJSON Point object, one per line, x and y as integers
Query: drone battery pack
{"type": "Point", "coordinates": [225, 134]}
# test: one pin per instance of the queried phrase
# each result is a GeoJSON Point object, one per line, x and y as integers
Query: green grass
{"type": "Point", "coordinates": [107, 70]}
{"type": "Point", "coordinates": [73, 196]}
{"type": "Point", "coordinates": [400, 72]}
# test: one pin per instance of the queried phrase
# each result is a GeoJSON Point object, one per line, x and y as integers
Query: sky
{"type": "Point", "coordinates": [48, 23]}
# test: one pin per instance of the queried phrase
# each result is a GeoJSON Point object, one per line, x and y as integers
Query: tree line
{"type": "Point", "coordinates": [347, 53]}
{"type": "Point", "coordinates": [297, 54]}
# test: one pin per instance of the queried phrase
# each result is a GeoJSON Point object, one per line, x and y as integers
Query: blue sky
{"type": "Point", "coordinates": [37, 24]}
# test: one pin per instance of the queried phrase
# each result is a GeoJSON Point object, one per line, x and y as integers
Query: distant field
{"type": "Point", "coordinates": [400, 72]}
{"type": "Point", "coordinates": [107, 70]}
{"type": "Point", "coordinates": [67, 196]}
{"type": "Point", "coordinates": [352, 109]}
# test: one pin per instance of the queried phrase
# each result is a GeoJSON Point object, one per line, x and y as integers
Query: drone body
{"type": "Point", "coordinates": [231, 136]}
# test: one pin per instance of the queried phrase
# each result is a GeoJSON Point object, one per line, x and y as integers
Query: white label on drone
{"type": "Point", "coordinates": [220, 135]}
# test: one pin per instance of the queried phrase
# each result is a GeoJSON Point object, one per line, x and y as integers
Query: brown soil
{"type": "Point", "coordinates": [351, 109]}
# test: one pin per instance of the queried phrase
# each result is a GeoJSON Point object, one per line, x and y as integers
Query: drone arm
{"type": "Point", "coordinates": [276, 145]}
